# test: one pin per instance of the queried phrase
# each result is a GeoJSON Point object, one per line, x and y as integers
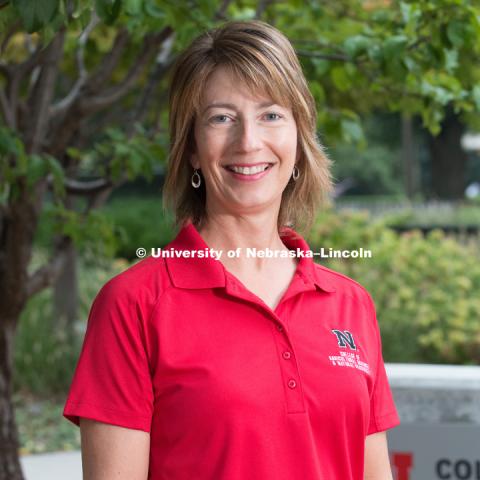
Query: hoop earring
{"type": "Point", "coordinates": [296, 173]}
{"type": "Point", "coordinates": [196, 183]}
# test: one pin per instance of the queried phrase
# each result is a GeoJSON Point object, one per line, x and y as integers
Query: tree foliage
{"type": "Point", "coordinates": [83, 104]}
{"type": "Point", "coordinates": [83, 82]}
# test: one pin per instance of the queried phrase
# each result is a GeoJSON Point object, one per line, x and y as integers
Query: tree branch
{"type": "Point", "coordinates": [76, 187]}
{"type": "Point", "coordinates": [317, 44]}
{"type": "Point", "coordinates": [36, 58]}
{"type": "Point", "coordinates": [162, 64]}
{"type": "Point", "coordinates": [44, 276]}
{"type": "Point", "coordinates": [262, 5]}
{"type": "Point", "coordinates": [6, 106]}
{"type": "Point", "coordinates": [420, 40]}
{"type": "Point", "coordinates": [5, 70]}
{"type": "Point", "coordinates": [325, 56]}
{"type": "Point", "coordinates": [61, 135]}
{"type": "Point", "coordinates": [101, 196]}
{"type": "Point", "coordinates": [109, 62]}
{"type": "Point", "coordinates": [13, 29]}
{"type": "Point", "coordinates": [15, 74]}
{"type": "Point", "coordinates": [99, 199]}
{"type": "Point", "coordinates": [42, 94]}
{"type": "Point", "coordinates": [111, 95]}
{"type": "Point", "coordinates": [74, 93]}
{"type": "Point", "coordinates": [6, 110]}
{"type": "Point", "coordinates": [220, 14]}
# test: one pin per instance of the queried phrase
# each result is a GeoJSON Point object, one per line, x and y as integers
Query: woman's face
{"type": "Point", "coordinates": [235, 130]}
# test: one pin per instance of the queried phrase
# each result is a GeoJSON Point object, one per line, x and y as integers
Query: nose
{"type": "Point", "coordinates": [248, 136]}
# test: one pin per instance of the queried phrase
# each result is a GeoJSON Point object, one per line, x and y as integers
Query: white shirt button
{"type": "Point", "coordinates": [286, 355]}
{"type": "Point", "coordinates": [292, 383]}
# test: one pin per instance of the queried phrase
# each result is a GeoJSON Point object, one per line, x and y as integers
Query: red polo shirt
{"type": "Point", "coordinates": [228, 388]}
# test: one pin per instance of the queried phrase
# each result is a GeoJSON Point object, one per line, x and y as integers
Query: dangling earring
{"type": "Point", "coordinates": [296, 173]}
{"type": "Point", "coordinates": [196, 183]}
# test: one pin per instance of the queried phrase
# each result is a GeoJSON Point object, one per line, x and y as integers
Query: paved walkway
{"type": "Point", "coordinates": [52, 466]}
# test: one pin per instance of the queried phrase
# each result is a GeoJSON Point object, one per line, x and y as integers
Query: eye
{"type": "Point", "coordinates": [273, 113]}
{"type": "Point", "coordinates": [219, 118]}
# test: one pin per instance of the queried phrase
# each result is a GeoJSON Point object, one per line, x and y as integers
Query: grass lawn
{"type": "Point", "coordinates": [41, 426]}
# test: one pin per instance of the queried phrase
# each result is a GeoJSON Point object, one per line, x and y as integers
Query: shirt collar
{"type": "Point", "coordinates": [197, 272]}
{"type": "Point", "coordinates": [306, 266]}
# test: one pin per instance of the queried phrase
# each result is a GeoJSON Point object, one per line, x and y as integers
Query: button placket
{"type": "Point", "coordinates": [281, 331]}
{"type": "Point", "coordinates": [289, 370]}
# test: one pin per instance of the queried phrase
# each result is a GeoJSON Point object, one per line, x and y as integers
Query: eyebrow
{"type": "Point", "coordinates": [231, 106]}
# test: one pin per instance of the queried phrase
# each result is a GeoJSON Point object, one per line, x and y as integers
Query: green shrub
{"type": "Point", "coordinates": [140, 222]}
{"type": "Point", "coordinates": [44, 355]}
{"type": "Point", "coordinates": [436, 215]}
{"type": "Point", "coordinates": [118, 228]}
{"type": "Point", "coordinates": [425, 289]}
{"type": "Point", "coordinates": [45, 352]}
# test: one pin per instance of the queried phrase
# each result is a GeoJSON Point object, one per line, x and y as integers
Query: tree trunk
{"type": "Point", "coordinates": [17, 226]}
{"type": "Point", "coordinates": [448, 159]}
{"type": "Point", "coordinates": [66, 292]}
{"type": "Point", "coordinates": [408, 155]}
{"type": "Point", "coordinates": [65, 288]}
{"type": "Point", "coordinates": [10, 467]}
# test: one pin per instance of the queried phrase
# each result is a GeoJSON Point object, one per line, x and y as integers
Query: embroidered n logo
{"type": "Point", "coordinates": [345, 338]}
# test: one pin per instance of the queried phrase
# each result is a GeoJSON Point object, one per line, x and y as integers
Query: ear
{"type": "Point", "coordinates": [194, 161]}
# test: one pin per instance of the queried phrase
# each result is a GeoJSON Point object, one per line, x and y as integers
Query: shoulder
{"type": "Point", "coordinates": [140, 284]}
{"type": "Point", "coordinates": [344, 286]}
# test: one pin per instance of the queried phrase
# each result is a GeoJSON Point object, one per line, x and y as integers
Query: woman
{"type": "Point", "coordinates": [243, 366]}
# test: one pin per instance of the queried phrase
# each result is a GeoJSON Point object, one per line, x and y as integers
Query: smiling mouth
{"type": "Point", "coordinates": [254, 170]}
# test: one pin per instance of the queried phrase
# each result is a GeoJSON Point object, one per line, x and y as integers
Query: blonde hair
{"type": "Point", "coordinates": [264, 59]}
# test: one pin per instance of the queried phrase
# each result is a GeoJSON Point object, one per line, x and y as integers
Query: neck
{"type": "Point", "coordinates": [232, 232]}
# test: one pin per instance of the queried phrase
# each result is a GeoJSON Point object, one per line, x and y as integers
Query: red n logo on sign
{"type": "Point", "coordinates": [402, 462]}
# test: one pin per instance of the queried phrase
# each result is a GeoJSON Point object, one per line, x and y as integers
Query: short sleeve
{"type": "Point", "coordinates": [383, 412]}
{"type": "Point", "coordinates": [112, 381]}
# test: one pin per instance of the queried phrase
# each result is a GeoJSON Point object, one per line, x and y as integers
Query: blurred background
{"type": "Point", "coordinates": [83, 147]}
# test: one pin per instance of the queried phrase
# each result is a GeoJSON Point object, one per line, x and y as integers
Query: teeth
{"type": "Point", "coordinates": [249, 170]}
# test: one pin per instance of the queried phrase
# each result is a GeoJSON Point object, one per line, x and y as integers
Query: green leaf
{"type": "Point", "coordinates": [321, 66]}
{"type": "Point", "coordinates": [451, 60]}
{"type": "Point", "coordinates": [56, 169]}
{"type": "Point", "coordinates": [133, 7]}
{"type": "Point", "coordinates": [36, 169]}
{"type": "Point", "coordinates": [395, 45]}
{"type": "Point", "coordinates": [438, 93]}
{"type": "Point", "coordinates": [375, 52]}
{"type": "Point", "coordinates": [456, 33]}
{"type": "Point", "coordinates": [9, 142]}
{"type": "Point", "coordinates": [409, 63]}
{"type": "Point", "coordinates": [340, 78]}
{"type": "Point", "coordinates": [21, 158]}
{"type": "Point", "coordinates": [108, 10]}
{"type": "Point", "coordinates": [153, 11]}
{"type": "Point", "coordinates": [35, 14]}
{"type": "Point", "coordinates": [74, 153]}
{"type": "Point", "coordinates": [356, 45]}
{"type": "Point", "coordinates": [411, 12]}
{"type": "Point", "coordinates": [406, 10]}
{"type": "Point", "coordinates": [318, 92]}
{"type": "Point", "coordinates": [476, 96]}
{"type": "Point", "coordinates": [351, 130]}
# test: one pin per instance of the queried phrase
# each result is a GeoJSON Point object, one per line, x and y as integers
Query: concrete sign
{"type": "Point", "coordinates": [435, 452]}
